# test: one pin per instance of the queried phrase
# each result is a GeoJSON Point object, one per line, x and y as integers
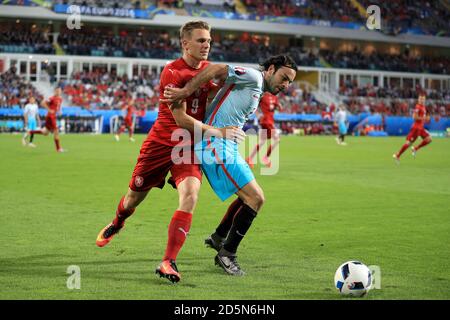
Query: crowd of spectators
{"type": "Point", "coordinates": [351, 89]}
{"type": "Point", "coordinates": [254, 48]}
{"type": "Point", "coordinates": [140, 43]}
{"type": "Point", "coordinates": [395, 107]}
{"type": "Point", "coordinates": [22, 38]}
{"type": "Point", "coordinates": [15, 91]}
{"type": "Point", "coordinates": [245, 47]}
{"type": "Point", "coordinates": [404, 62]}
{"type": "Point", "coordinates": [159, 44]}
{"type": "Point", "coordinates": [430, 16]}
{"type": "Point", "coordinates": [100, 89]}
{"type": "Point", "coordinates": [336, 10]}
{"type": "Point", "coordinates": [399, 15]}
{"type": "Point", "coordinates": [392, 100]}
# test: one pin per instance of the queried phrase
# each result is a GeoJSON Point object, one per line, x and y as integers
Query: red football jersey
{"type": "Point", "coordinates": [268, 104]}
{"type": "Point", "coordinates": [54, 104]}
{"type": "Point", "coordinates": [421, 111]}
{"type": "Point", "coordinates": [177, 74]}
{"type": "Point", "coordinates": [130, 111]}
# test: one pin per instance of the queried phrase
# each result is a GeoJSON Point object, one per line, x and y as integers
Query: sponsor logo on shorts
{"type": "Point", "coordinates": [138, 181]}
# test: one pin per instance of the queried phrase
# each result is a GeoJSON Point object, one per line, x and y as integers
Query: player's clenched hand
{"type": "Point", "coordinates": [172, 94]}
{"type": "Point", "coordinates": [233, 133]}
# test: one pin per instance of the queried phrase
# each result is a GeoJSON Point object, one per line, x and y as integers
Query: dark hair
{"type": "Point", "coordinates": [279, 61]}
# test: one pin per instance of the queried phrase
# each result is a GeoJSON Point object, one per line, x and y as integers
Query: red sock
{"type": "Point", "coordinates": [404, 147]}
{"type": "Point", "coordinates": [422, 144]}
{"type": "Point", "coordinates": [178, 230]}
{"type": "Point", "coordinates": [36, 132]}
{"type": "Point", "coordinates": [122, 214]}
{"type": "Point", "coordinates": [269, 151]}
{"type": "Point", "coordinates": [57, 144]}
{"type": "Point", "coordinates": [121, 130]}
{"type": "Point", "coordinates": [254, 152]}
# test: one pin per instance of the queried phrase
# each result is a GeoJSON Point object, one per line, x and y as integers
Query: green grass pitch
{"type": "Point", "coordinates": [327, 204]}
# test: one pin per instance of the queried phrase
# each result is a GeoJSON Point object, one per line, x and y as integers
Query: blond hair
{"type": "Point", "coordinates": [186, 29]}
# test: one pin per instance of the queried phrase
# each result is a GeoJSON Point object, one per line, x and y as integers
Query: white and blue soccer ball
{"type": "Point", "coordinates": [353, 278]}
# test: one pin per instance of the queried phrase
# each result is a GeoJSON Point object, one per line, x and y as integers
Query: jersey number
{"type": "Point", "coordinates": [194, 106]}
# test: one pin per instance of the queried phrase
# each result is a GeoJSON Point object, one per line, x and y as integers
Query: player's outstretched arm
{"type": "Point", "coordinates": [185, 121]}
{"type": "Point", "coordinates": [213, 71]}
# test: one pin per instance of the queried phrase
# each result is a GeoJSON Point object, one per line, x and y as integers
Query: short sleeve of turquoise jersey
{"type": "Point", "coordinates": [242, 75]}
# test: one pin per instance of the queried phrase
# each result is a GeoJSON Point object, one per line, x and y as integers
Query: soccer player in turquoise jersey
{"type": "Point", "coordinates": [226, 170]}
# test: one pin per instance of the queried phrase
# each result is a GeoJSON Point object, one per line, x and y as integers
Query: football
{"type": "Point", "coordinates": [353, 278]}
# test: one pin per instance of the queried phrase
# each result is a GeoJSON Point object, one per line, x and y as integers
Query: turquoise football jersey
{"type": "Point", "coordinates": [238, 98]}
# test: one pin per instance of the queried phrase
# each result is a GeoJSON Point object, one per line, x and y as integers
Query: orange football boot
{"type": "Point", "coordinates": [106, 235]}
{"type": "Point", "coordinates": [169, 270]}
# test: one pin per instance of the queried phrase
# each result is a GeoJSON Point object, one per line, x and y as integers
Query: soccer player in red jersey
{"type": "Point", "coordinates": [127, 120]}
{"type": "Point", "coordinates": [417, 129]}
{"type": "Point", "coordinates": [155, 158]}
{"type": "Point", "coordinates": [268, 104]}
{"type": "Point", "coordinates": [53, 106]}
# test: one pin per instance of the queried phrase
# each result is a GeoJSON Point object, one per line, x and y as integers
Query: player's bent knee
{"type": "Point", "coordinates": [256, 201]}
{"type": "Point", "coordinates": [260, 199]}
{"type": "Point", "coordinates": [188, 202]}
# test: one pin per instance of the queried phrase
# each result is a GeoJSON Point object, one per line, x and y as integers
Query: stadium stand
{"type": "Point", "coordinates": [15, 91]}
{"type": "Point", "coordinates": [100, 89]}
{"type": "Point", "coordinates": [246, 47]}
{"type": "Point", "coordinates": [431, 17]}
{"type": "Point", "coordinates": [25, 38]}
{"type": "Point", "coordinates": [399, 16]}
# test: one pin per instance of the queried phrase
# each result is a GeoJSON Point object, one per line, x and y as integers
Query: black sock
{"type": "Point", "coordinates": [342, 137]}
{"type": "Point", "coordinates": [241, 223]}
{"type": "Point", "coordinates": [31, 137]}
{"type": "Point", "coordinates": [227, 220]}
